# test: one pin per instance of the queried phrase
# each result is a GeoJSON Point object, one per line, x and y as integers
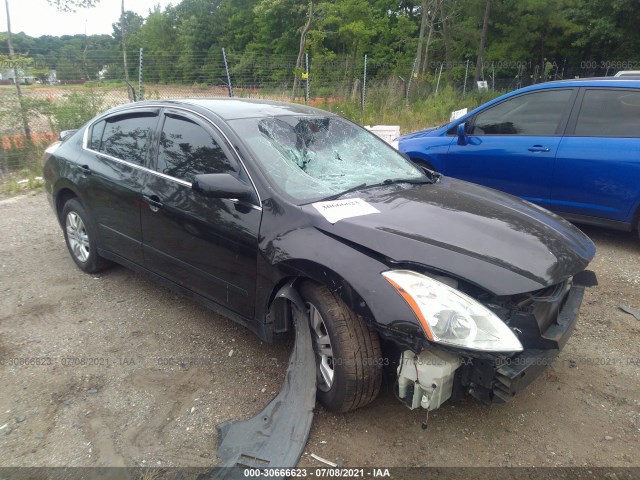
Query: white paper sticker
{"type": "Point", "coordinates": [335, 210]}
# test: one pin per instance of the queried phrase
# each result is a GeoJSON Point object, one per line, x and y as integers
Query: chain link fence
{"type": "Point", "coordinates": [84, 85]}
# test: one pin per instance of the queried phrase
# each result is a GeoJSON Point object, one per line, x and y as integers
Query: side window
{"type": "Point", "coordinates": [187, 149]}
{"type": "Point", "coordinates": [96, 135]}
{"type": "Point", "coordinates": [609, 113]}
{"type": "Point", "coordinates": [127, 137]}
{"type": "Point", "coordinates": [537, 113]}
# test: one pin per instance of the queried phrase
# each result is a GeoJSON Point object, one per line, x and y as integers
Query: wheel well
{"type": "Point", "coordinates": [63, 197]}
{"type": "Point", "coordinates": [335, 284]}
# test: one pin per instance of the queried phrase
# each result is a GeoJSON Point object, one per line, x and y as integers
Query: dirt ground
{"type": "Point", "coordinates": [122, 372]}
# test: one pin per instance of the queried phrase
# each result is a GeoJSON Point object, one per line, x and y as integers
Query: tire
{"type": "Point", "coordinates": [80, 237]}
{"type": "Point", "coordinates": [348, 354]}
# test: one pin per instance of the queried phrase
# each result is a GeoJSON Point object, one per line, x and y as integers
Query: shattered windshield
{"type": "Point", "coordinates": [314, 157]}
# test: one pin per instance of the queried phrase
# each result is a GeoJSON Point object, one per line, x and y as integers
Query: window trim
{"type": "Point", "coordinates": [160, 107]}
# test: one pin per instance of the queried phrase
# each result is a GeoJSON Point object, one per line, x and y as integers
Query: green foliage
{"type": "Point", "coordinates": [74, 110]}
{"type": "Point", "coordinates": [72, 5]}
{"type": "Point", "coordinates": [386, 104]}
{"type": "Point", "coordinates": [183, 42]}
{"type": "Point", "coordinates": [21, 182]}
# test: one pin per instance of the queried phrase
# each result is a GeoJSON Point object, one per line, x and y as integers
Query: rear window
{"type": "Point", "coordinates": [125, 137]}
{"type": "Point", "coordinates": [609, 113]}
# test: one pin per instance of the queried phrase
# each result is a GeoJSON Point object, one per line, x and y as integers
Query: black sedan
{"type": "Point", "coordinates": [266, 211]}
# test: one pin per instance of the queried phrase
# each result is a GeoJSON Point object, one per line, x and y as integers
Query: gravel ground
{"type": "Point", "coordinates": [125, 373]}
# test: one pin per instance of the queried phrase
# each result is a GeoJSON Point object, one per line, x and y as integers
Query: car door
{"type": "Point", "coordinates": [113, 165]}
{"type": "Point", "coordinates": [207, 245]}
{"type": "Point", "coordinates": [598, 166]}
{"type": "Point", "coordinates": [512, 146]}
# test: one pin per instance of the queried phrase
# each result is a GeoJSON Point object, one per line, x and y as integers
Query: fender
{"type": "Point", "coordinates": [350, 274]}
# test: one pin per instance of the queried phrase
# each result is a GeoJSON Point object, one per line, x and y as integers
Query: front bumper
{"type": "Point", "coordinates": [498, 380]}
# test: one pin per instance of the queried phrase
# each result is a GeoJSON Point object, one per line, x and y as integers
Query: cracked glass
{"type": "Point", "coordinates": [314, 157]}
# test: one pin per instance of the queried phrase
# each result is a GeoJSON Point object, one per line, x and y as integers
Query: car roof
{"type": "Point", "coordinates": [624, 82]}
{"type": "Point", "coordinates": [628, 73]}
{"type": "Point", "coordinates": [233, 108]}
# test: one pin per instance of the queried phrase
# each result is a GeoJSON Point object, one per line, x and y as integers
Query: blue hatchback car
{"type": "Point", "coordinates": [571, 146]}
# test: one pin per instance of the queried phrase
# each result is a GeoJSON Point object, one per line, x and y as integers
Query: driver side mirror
{"type": "Point", "coordinates": [221, 185]}
{"type": "Point", "coordinates": [462, 134]}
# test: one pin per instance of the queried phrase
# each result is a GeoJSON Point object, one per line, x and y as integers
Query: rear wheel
{"type": "Point", "coordinates": [80, 237]}
{"type": "Point", "coordinates": [348, 359]}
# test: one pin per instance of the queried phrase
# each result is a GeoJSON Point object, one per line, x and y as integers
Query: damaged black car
{"type": "Point", "coordinates": [263, 209]}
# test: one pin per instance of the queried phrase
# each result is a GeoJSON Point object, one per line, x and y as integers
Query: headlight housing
{"type": "Point", "coordinates": [451, 317]}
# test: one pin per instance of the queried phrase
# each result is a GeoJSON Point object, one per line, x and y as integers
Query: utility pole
{"type": "Point", "coordinates": [123, 33]}
{"type": "Point", "coordinates": [16, 73]}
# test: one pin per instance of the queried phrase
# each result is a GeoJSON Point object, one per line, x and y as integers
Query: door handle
{"type": "Point", "coordinates": [85, 169]}
{"type": "Point", "coordinates": [154, 202]}
{"type": "Point", "coordinates": [539, 148]}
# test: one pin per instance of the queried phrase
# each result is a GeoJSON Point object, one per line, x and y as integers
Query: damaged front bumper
{"type": "Point", "coordinates": [435, 375]}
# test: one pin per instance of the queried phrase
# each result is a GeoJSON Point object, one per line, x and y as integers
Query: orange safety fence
{"type": "Point", "coordinates": [17, 141]}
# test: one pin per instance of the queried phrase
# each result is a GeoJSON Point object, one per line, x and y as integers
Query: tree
{"type": "Point", "coordinates": [17, 80]}
{"type": "Point", "coordinates": [123, 39]}
{"type": "Point", "coordinates": [446, 37]}
{"type": "Point", "coordinates": [303, 44]}
{"type": "Point", "coordinates": [483, 41]}
{"type": "Point", "coordinates": [72, 5]}
{"type": "Point", "coordinates": [158, 37]}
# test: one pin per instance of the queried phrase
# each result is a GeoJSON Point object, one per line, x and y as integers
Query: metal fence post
{"type": "Point", "coordinates": [226, 67]}
{"type": "Point", "coordinates": [413, 71]}
{"type": "Point", "coordinates": [464, 89]}
{"type": "Point", "coordinates": [439, 75]}
{"type": "Point", "coordinates": [364, 85]}
{"type": "Point", "coordinates": [306, 67]}
{"type": "Point", "coordinates": [493, 76]}
{"type": "Point", "coordinates": [140, 93]}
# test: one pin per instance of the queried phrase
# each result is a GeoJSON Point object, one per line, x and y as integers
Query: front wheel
{"type": "Point", "coordinates": [80, 237]}
{"type": "Point", "coordinates": [348, 358]}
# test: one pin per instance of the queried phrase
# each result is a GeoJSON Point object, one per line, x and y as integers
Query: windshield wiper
{"type": "Point", "coordinates": [349, 190]}
{"type": "Point", "coordinates": [388, 181]}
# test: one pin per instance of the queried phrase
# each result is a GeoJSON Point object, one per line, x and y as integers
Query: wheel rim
{"type": "Point", "coordinates": [78, 237]}
{"type": "Point", "coordinates": [322, 348]}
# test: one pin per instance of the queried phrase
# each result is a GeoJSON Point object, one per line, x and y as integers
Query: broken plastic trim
{"type": "Point", "coordinates": [276, 437]}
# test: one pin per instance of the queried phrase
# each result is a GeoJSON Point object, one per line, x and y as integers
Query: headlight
{"type": "Point", "coordinates": [450, 317]}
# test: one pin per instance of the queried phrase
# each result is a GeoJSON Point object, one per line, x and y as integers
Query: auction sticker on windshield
{"type": "Point", "coordinates": [336, 210]}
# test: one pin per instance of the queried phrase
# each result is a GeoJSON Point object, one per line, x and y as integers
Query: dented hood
{"type": "Point", "coordinates": [494, 240]}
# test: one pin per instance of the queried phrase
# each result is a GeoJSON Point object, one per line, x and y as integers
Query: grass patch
{"type": "Point", "coordinates": [21, 182]}
{"type": "Point", "coordinates": [387, 104]}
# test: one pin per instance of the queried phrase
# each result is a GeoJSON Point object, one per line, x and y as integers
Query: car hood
{"type": "Point", "coordinates": [498, 242]}
{"type": "Point", "coordinates": [422, 133]}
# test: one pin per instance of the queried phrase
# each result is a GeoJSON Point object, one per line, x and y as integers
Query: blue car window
{"type": "Point", "coordinates": [609, 113]}
{"type": "Point", "coordinates": [537, 113]}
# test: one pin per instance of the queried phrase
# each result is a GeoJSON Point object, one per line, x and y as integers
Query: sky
{"type": "Point", "coordinates": [37, 17]}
